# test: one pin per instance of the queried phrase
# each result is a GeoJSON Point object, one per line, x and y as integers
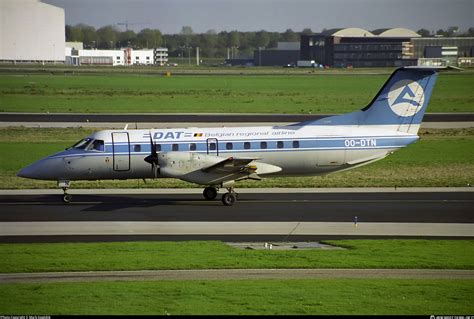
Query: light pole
{"type": "Point", "coordinates": [260, 55]}
{"type": "Point", "coordinates": [189, 55]}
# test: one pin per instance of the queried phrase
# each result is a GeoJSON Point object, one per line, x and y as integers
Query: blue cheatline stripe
{"type": "Point", "coordinates": [92, 154]}
{"type": "Point", "coordinates": [318, 144]}
{"type": "Point", "coordinates": [304, 146]}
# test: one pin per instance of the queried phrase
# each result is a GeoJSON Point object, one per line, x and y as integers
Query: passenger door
{"type": "Point", "coordinates": [212, 146]}
{"type": "Point", "coordinates": [121, 151]}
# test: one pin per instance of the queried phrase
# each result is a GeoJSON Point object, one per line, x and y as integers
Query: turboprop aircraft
{"type": "Point", "coordinates": [219, 157]}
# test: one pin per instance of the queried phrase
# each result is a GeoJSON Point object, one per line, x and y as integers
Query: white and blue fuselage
{"type": "Point", "coordinates": [297, 150]}
{"type": "Point", "coordinates": [217, 157]}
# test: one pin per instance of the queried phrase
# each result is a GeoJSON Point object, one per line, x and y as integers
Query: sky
{"type": "Point", "coordinates": [169, 16]}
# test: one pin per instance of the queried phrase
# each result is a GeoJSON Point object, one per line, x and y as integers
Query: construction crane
{"type": "Point", "coordinates": [126, 24]}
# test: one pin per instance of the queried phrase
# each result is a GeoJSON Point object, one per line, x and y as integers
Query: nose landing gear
{"type": "Point", "coordinates": [67, 198]}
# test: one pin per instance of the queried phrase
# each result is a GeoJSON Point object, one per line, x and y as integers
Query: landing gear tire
{"type": "Point", "coordinates": [65, 186]}
{"type": "Point", "coordinates": [209, 193]}
{"type": "Point", "coordinates": [228, 199]}
{"type": "Point", "coordinates": [67, 198]}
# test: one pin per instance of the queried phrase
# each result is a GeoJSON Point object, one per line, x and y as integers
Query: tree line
{"type": "Point", "coordinates": [211, 43]}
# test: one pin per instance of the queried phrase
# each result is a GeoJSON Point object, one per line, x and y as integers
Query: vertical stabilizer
{"type": "Point", "coordinates": [400, 103]}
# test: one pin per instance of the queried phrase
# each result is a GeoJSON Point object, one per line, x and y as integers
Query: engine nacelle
{"type": "Point", "coordinates": [179, 164]}
{"type": "Point", "coordinates": [193, 167]}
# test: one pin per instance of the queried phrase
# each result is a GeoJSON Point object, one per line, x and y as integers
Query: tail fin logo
{"type": "Point", "coordinates": [406, 98]}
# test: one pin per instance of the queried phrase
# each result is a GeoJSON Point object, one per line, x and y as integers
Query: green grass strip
{"type": "Point", "coordinates": [257, 297]}
{"type": "Point", "coordinates": [303, 94]}
{"type": "Point", "coordinates": [52, 257]}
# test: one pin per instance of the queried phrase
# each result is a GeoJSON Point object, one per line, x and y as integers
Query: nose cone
{"type": "Point", "coordinates": [27, 172]}
{"type": "Point", "coordinates": [46, 169]}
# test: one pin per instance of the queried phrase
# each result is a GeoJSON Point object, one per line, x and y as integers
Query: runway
{"type": "Point", "coordinates": [197, 117]}
{"type": "Point", "coordinates": [269, 216]}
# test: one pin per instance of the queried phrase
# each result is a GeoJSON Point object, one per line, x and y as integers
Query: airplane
{"type": "Point", "coordinates": [221, 156]}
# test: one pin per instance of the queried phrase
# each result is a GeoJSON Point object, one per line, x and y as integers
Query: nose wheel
{"type": "Point", "coordinates": [67, 198]}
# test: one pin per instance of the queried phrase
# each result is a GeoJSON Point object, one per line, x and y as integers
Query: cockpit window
{"type": "Point", "coordinates": [89, 144]}
{"type": "Point", "coordinates": [97, 145]}
{"type": "Point", "coordinates": [82, 144]}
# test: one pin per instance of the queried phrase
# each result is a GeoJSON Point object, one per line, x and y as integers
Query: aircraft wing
{"type": "Point", "coordinates": [232, 165]}
{"type": "Point", "coordinates": [213, 170]}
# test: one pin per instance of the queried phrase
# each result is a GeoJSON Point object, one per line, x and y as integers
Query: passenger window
{"type": "Point", "coordinates": [192, 146]}
{"type": "Point", "coordinates": [247, 145]}
{"type": "Point", "coordinates": [212, 146]}
{"type": "Point", "coordinates": [263, 145]}
{"type": "Point", "coordinates": [296, 144]}
{"type": "Point", "coordinates": [158, 147]}
{"type": "Point", "coordinates": [280, 144]}
{"type": "Point", "coordinates": [229, 146]}
{"type": "Point", "coordinates": [175, 147]}
{"type": "Point", "coordinates": [137, 148]}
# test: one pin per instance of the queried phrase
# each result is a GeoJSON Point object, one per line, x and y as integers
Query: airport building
{"type": "Point", "coordinates": [31, 31]}
{"type": "Point", "coordinates": [76, 55]}
{"type": "Point", "coordinates": [286, 53]}
{"type": "Point", "coordinates": [160, 56]}
{"type": "Point", "coordinates": [440, 51]}
{"type": "Point", "coordinates": [354, 47]}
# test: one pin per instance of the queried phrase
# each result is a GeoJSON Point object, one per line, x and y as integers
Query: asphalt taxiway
{"type": "Point", "coordinates": [196, 117]}
{"type": "Point", "coordinates": [278, 215]}
{"type": "Point", "coordinates": [236, 274]}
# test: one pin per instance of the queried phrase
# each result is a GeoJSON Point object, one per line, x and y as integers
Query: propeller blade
{"type": "Point", "coordinates": [153, 158]}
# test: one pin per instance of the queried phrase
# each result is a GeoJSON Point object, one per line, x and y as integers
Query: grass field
{"type": "Point", "coordinates": [417, 254]}
{"type": "Point", "coordinates": [262, 297]}
{"type": "Point", "coordinates": [441, 158]}
{"type": "Point", "coordinates": [129, 93]}
{"type": "Point", "coordinates": [321, 296]}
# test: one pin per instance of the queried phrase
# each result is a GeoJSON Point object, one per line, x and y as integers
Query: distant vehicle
{"type": "Point", "coordinates": [306, 64]}
{"type": "Point", "coordinates": [219, 157]}
{"type": "Point", "coordinates": [289, 65]}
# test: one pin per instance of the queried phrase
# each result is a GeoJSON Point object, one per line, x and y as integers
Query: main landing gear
{"type": "Point", "coordinates": [210, 193]}
{"type": "Point", "coordinates": [228, 199]}
{"type": "Point", "coordinates": [67, 198]}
